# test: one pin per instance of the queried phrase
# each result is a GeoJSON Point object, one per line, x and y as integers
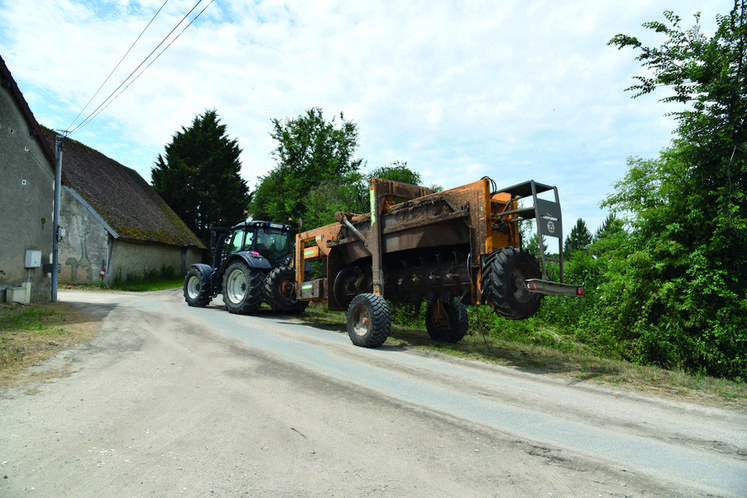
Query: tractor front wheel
{"type": "Point", "coordinates": [196, 289]}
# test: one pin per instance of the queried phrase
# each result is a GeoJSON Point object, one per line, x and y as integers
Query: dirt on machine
{"type": "Point", "coordinates": [449, 249]}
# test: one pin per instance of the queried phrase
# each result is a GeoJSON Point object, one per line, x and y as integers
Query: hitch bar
{"type": "Point", "coordinates": [557, 289]}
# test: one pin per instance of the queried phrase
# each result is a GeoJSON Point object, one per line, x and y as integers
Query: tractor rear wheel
{"type": "Point", "coordinates": [369, 320]}
{"type": "Point", "coordinates": [196, 289]}
{"type": "Point", "coordinates": [446, 321]}
{"type": "Point", "coordinates": [242, 288]}
{"type": "Point", "coordinates": [280, 292]}
{"type": "Point", "coordinates": [503, 280]}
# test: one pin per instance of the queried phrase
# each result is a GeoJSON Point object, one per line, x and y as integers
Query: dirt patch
{"type": "Point", "coordinates": [29, 335]}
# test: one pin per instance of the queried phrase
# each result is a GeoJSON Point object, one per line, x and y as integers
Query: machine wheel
{"type": "Point", "coordinates": [351, 281]}
{"type": "Point", "coordinates": [196, 290]}
{"type": "Point", "coordinates": [503, 283]}
{"type": "Point", "coordinates": [369, 320]}
{"type": "Point", "coordinates": [280, 291]}
{"type": "Point", "coordinates": [242, 288]}
{"type": "Point", "coordinates": [446, 322]}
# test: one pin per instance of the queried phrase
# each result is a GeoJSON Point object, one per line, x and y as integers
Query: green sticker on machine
{"type": "Point", "coordinates": [372, 194]}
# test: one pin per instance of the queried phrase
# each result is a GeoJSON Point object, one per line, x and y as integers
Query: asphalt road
{"type": "Point", "coordinates": [177, 401]}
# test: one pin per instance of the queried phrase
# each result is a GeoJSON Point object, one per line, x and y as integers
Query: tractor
{"type": "Point", "coordinates": [252, 265]}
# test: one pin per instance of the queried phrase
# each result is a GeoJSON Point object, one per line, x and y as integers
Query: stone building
{"type": "Point", "coordinates": [26, 198]}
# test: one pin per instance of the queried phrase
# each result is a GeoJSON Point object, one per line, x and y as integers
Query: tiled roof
{"type": "Point", "coordinates": [121, 197]}
{"type": "Point", "coordinates": [7, 80]}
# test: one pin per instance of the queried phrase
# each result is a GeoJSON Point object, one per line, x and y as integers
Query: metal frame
{"type": "Point", "coordinates": [471, 221]}
{"type": "Point", "coordinates": [547, 214]}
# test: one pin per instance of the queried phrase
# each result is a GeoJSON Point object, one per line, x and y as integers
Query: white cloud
{"type": "Point", "coordinates": [459, 90]}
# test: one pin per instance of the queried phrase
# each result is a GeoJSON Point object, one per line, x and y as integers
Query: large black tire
{"type": "Point", "coordinates": [196, 289]}
{"type": "Point", "coordinates": [280, 291]}
{"type": "Point", "coordinates": [452, 323]}
{"type": "Point", "coordinates": [369, 320]}
{"type": "Point", "coordinates": [242, 288]}
{"type": "Point", "coordinates": [503, 283]}
{"type": "Point", "coordinates": [351, 281]}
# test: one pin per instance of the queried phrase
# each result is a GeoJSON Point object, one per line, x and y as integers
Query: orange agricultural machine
{"type": "Point", "coordinates": [450, 248]}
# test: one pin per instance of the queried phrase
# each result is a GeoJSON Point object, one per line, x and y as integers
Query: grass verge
{"type": "Point", "coordinates": [573, 364]}
{"type": "Point", "coordinates": [145, 285]}
{"type": "Point", "coordinates": [32, 334]}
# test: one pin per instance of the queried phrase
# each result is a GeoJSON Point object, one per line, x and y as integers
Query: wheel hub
{"type": "Point", "coordinates": [236, 286]}
{"type": "Point", "coordinates": [193, 287]}
{"type": "Point", "coordinates": [362, 321]}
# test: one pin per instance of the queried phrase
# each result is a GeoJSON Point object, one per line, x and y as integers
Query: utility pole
{"type": "Point", "coordinates": [56, 224]}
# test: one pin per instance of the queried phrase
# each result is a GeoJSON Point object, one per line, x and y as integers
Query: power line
{"type": "Point", "coordinates": [129, 79]}
{"type": "Point", "coordinates": [118, 64]}
{"type": "Point", "coordinates": [107, 101]}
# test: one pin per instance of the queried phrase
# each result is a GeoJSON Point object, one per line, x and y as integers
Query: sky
{"type": "Point", "coordinates": [459, 89]}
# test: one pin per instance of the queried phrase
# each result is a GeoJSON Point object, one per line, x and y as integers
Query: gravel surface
{"type": "Point", "coordinates": [178, 401]}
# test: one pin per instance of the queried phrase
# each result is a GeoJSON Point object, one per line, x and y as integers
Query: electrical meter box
{"type": "Point", "coordinates": [33, 259]}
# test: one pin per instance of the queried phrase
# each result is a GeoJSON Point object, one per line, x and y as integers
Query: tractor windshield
{"type": "Point", "coordinates": [272, 243]}
{"type": "Point", "coordinates": [236, 241]}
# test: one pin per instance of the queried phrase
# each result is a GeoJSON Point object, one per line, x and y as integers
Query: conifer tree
{"type": "Point", "coordinates": [199, 176]}
{"type": "Point", "coordinates": [579, 238]}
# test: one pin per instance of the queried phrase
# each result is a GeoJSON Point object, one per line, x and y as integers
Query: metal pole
{"type": "Point", "coordinates": [56, 223]}
{"type": "Point", "coordinates": [375, 239]}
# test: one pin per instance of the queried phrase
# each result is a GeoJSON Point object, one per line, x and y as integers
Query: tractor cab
{"type": "Point", "coordinates": [272, 241]}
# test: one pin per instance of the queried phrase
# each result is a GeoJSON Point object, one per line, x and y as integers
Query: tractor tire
{"type": "Point", "coordinates": [451, 325]}
{"type": "Point", "coordinates": [503, 283]}
{"type": "Point", "coordinates": [279, 291]}
{"type": "Point", "coordinates": [196, 290]}
{"type": "Point", "coordinates": [369, 320]}
{"type": "Point", "coordinates": [242, 288]}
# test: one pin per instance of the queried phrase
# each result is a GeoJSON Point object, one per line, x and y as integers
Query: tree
{"type": "Point", "coordinates": [675, 292]}
{"type": "Point", "coordinates": [310, 152]}
{"type": "Point", "coordinates": [353, 197]}
{"type": "Point", "coordinates": [398, 172]}
{"type": "Point", "coordinates": [579, 238]}
{"type": "Point", "coordinates": [611, 225]}
{"type": "Point", "coordinates": [709, 76]}
{"type": "Point", "coordinates": [199, 176]}
{"type": "Point", "coordinates": [349, 194]}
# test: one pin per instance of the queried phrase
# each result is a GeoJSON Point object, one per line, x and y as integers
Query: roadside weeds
{"type": "Point", "coordinates": [31, 334]}
{"type": "Point", "coordinates": [574, 367]}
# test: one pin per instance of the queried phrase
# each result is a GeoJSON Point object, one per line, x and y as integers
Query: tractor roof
{"type": "Point", "coordinates": [262, 224]}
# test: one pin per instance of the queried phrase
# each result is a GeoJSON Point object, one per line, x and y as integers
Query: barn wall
{"type": "Point", "coordinates": [84, 249]}
{"type": "Point", "coordinates": [27, 195]}
{"type": "Point", "coordinates": [134, 260]}
{"type": "Point", "coordinates": [88, 247]}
